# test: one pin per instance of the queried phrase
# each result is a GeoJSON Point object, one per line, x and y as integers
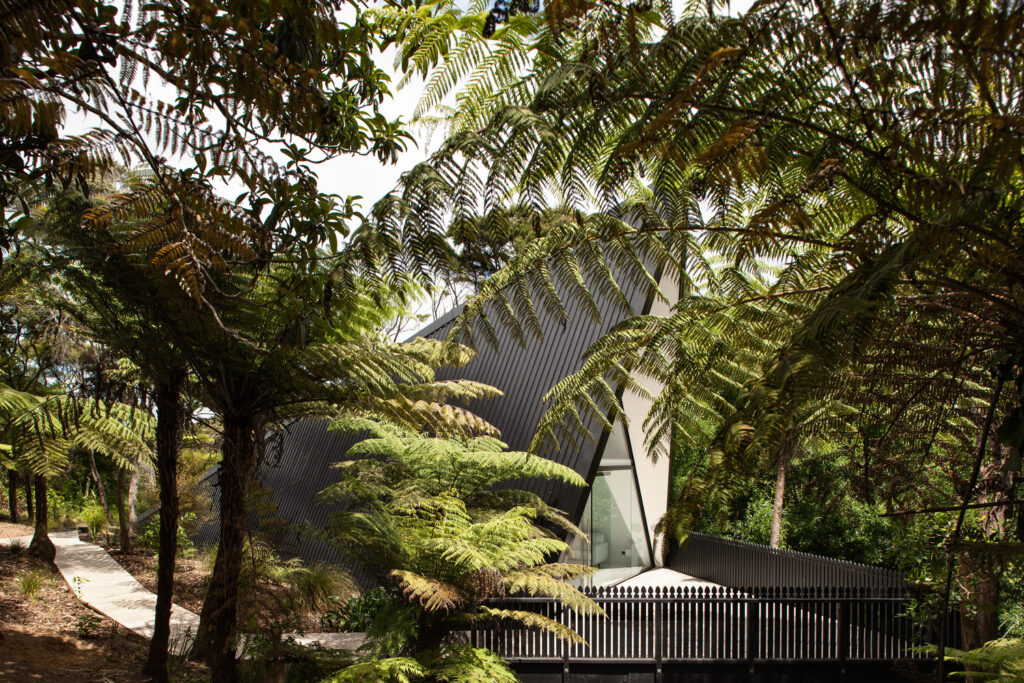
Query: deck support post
{"type": "Point", "coordinates": [752, 630]}
{"type": "Point", "coordinates": [844, 631]}
{"type": "Point", "coordinates": [659, 633]}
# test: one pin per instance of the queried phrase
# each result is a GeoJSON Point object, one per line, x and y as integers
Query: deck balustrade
{"type": "Point", "coordinates": [716, 624]}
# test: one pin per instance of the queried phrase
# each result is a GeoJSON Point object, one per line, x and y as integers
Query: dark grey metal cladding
{"type": "Point", "coordinates": [745, 565]}
{"type": "Point", "coordinates": [303, 469]}
{"type": "Point", "coordinates": [524, 373]}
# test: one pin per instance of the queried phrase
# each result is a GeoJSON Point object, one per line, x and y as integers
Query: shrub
{"type": "Point", "coordinates": [268, 658]}
{"type": "Point", "coordinates": [16, 546]}
{"type": "Point", "coordinates": [149, 535]}
{"type": "Point", "coordinates": [87, 625]}
{"type": "Point", "coordinates": [1000, 660]}
{"type": "Point", "coordinates": [316, 585]}
{"type": "Point", "coordinates": [355, 614]}
{"type": "Point", "coordinates": [1012, 621]}
{"type": "Point", "coordinates": [65, 507]}
{"type": "Point", "coordinates": [95, 517]}
{"type": "Point", "coordinates": [207, 557]}
{"type": "Point", "coordinates": [30, 583]}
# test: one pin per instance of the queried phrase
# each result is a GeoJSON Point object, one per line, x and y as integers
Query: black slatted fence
{"type": "Point", "coordinates": [720, 625]}
{"type": "Point", "coordinates": [737, 563]}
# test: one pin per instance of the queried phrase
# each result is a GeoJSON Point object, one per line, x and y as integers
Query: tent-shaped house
{"type": "Point", "coordinates": [627, 493]}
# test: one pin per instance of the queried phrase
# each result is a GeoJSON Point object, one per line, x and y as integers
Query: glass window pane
{"type": "Point", "coordinates": [616, 453]}
{"type": "Point", "coordinates": [617, 537]}
{"type": "Point", "coordinates": [612, 519]}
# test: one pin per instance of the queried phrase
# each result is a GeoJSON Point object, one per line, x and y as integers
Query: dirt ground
{"type": "Point", "coordinates": [191, 577]}
{"type": "Point", "coordinates": [53, 637]}
{"type": "Point", "coordinates": [8, 530]}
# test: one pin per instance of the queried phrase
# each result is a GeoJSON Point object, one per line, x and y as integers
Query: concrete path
{"type": "Point", "coordinates": [104, 585]}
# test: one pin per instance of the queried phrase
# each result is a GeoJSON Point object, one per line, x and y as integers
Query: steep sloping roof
{"type": "Point", "coordinates": [523, 372]}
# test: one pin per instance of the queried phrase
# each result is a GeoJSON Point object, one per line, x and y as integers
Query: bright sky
{"type": "Point", "coordinates": [363, 175]}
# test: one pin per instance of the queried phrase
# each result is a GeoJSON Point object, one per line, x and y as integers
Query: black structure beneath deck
{"type": "Point", "coordinates": [698, 672]}
{"type": "Point", "coordinates": [738, 563]}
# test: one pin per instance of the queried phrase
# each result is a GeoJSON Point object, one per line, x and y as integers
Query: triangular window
{"type": "Point", "coordinates": [612, 518]}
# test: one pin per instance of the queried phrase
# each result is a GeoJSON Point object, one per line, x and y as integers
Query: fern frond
{"type": "Point", "coordinates": [534, 620]}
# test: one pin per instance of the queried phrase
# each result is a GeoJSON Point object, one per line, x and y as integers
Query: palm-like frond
{"type": "Point", "coordinates": [45, 434]}
{"type": "Point", "coordinates": [431, 593]}
{"type": "Point", "coordinates": [534, 620]}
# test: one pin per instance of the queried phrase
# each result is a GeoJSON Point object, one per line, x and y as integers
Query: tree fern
{"type": "Point", "coordinates": [423, 515]}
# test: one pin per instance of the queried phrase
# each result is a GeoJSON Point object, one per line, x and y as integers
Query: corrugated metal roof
{"type": "Point", "coordinates": [523, 372]}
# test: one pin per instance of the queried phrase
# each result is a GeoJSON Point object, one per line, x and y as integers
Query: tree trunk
{"type": "Point", "coordinates": [133, 498]}
{"type": "Point", "coordinates": [170, 424]}
{"type": "Point", "coordinates": [980, 572]}
{"type": "Point", "coordinates": [979, 613]}
{"type": "Point", "coordinates": [785, 455]}
{"type": "Point", "coordinates": [12, 494]}
{"type": "Point", "coordinates": [122, 512]}
{"type": "Point", "coordinates": [215, 641]}
{"type": "Point", "coordinates": [100, 488]}
{"type": "Point", "coordinates": [780, 493]}
{"type": "Point", "coordinates": [41, 545]}
{"type": "Point", "coordinates": [954, 538]}
{"type": "Point", "coordinates": [29, 508]}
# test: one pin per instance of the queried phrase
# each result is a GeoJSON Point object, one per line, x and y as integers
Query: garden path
{"type": "Point", "coordinates": [103, 584]}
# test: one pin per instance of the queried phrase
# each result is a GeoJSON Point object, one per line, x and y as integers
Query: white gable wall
{"type": "Point", "coordinates": [652, 478]}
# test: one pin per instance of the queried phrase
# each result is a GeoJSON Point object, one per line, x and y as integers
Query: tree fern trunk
{"type": "Point", "coordinates": [780, 493]}
{"type": "Point", "coordinates": [786, 449]}
{"type": "Point", "coordinates": [979, 615]}
{"type": "Point", "coordinates": [122, 511]}
{"type": "Point", "coordinates": [133, 498]}
{"type": "Point", "coordinates": [170, 424]}
{"type": "Point", "coordinates": [980, 572]}
{"type": "Point", "coordinates": [29, 508]}
{"type": "Point", "coordinates": [41, 545]}
{"type": "Point", "coordinates": [100, 488]}
{"type": "Point", "coordinates": [12, 494]}
{"type": "Point", "coordinates": [216, 639]}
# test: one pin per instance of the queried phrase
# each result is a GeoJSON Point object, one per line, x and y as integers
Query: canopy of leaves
{"type": "Point", "coordinates": [860, 149]}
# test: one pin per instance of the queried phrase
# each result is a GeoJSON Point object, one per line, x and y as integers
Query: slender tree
{"type": "Point", "coordinates": [12, 494]}
{"type": "Point", "coordinates": [170, 416]}
{"type": "Point", "coordinates": [101, 490]}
